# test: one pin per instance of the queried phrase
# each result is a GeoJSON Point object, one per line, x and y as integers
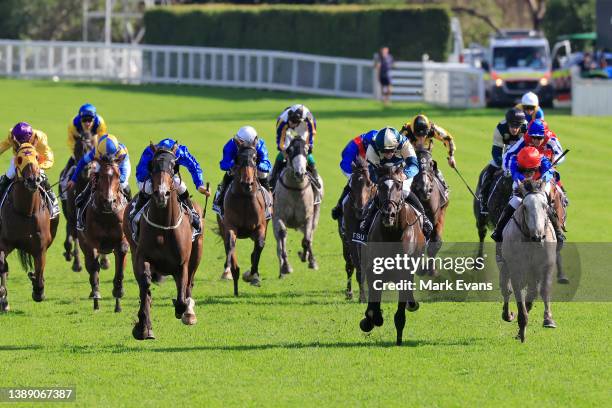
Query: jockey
{"type": "Point", "coordinates": [86, 123]}
{"type": "Point", "coordinates": [421, 133]}
{"type": "Point", "coordinates": [246, 135]}
{"type": "Point", "coordinates": [109, 148]}
{"type": "Point", "coordinates": [528, 164]}
{"type": "Point", "coordinates": [184, 158]}
{"type": "Point", "coordinates": [506, 133]}
{"type": "Point", "coordinates": [355, 147]}
{"type": "Point", "coordinates": [295, 121]}
{"type": "Point", "coordinates": [530, 105]}
{"type": "Point", "coordinates": [539, 137]}
{"type": "Point", "coordinates": [22, 132]}
{"type": "Point", "coordinates": [390, 148]}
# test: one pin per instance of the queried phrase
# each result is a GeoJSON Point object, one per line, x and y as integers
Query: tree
{"type": "Point", "coordinates": [537, 8]}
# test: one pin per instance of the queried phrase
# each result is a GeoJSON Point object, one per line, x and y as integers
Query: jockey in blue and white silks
{"type": "Point", "coordinates": [246, 136]}
{"type": "Point", "coordinates": [356, 147]}
{"type": "Point", "coordinates": [183, 158]}
{"type": "Point", "coordinates": [390, 148]}
{"type": "Point", "coordinates": [539, 137]}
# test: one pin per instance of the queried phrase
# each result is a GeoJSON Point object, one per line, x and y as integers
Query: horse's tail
{"type": "Point", "coordinates": [26, 260]}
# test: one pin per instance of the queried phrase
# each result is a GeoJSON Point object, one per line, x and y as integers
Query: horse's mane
{"type": "Point", "coordinates": [361, 163]}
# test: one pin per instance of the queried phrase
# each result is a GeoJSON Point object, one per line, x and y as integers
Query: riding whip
{"type": "Point", "coordinates": [465, 182]}
{"type": "Point", "coordinates": [206, 200]}
{"type": "Point", "coordinates": [560, 157]}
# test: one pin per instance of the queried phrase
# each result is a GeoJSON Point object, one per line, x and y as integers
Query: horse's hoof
{"type": "Point", "coordinates": [227, 275]}
{"type": "Point", "coordinates": [563, 280]}
{"type": "Point", "coordinates": [96, 303]}
{"type": "Point", "coordinates": [68, 256]}
{"type": "Point", "coordinates": [302, 256]}
{"type": "Point", "coordinates": [362, 298]}
{"type": "Point", "coordinates": [4, 305]}
{"type": "Point", "coordinates": [255, 280]}
{"type": "Point", "coordinates": [38, 297]}
{"type": "Point", "coordinates": [520, 337]}
{"type": "Point", "coordinates": [412, 306]}
{"type": "Point", "coordinates": [508, 317]}
{"type": "Point", "coordinates": [246, 276]}
{"type": "Point", "coordinates": [398, 341]}
{"type": "Point", "coordinates": [366, 325]}
{"type": "Point", "coordinates": [189, 319]}
{"type": "Point", "coordinates": [104, 263]}
{"type": "Point", "coordinates": [118, 293]}
{"type": "Point", "coordinates": [142, 334]}
{"type": "Point", "coordinates": [118, 309]}
{"type": "Point", "coordinates": [349, 295]}
{"type": "Point", "coordinates": [91, 294]}
{"type": "Point", "coordinates": [76, 268]}
{"type": "Point", "coordinates": [313, 265]}
{"type": "Point", "coordinates": [433, 273]}
{"type": "Point", "coordinates": [550, 324]}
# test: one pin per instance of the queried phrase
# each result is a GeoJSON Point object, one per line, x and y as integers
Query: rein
{"type": "Point", "coordinates": [145, 215]}
{"type": "Point", "coordinates": [522, 226]}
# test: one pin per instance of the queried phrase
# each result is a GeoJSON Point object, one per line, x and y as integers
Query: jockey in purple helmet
{"type": "Point", "coordinates": [246, 136]}
{"type": "Point", "coordinates": [183, 158]}
{"type": "Point", "coordinates": [356, 147]}
{"type": "Point", "coordinates": [21, 133]}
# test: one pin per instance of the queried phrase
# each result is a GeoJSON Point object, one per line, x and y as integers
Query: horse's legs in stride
{"type": "Point", "coordinates": [481, 225]}
{"type": "Point", "coordinates": [307, 246]}
{"type": "Point", "coordinates": [76, 263]}
{"type": "Point", "coordinates": [120, 261]}
{"type": "Point", "coordinates": [4, 305]}
{"type": "Point", "coordinates": [181, 278]}
{"type": "Point", "coordinates": [258, 247]}
{"type": "Point", "coordinates": [142, 272]}
{"type": "Point", "coordinates": [93, 268]}
{"type": "Point", "coordinates": [230, 260]}
{"type": "Point", "coordinates": [38, 279]}
{"type": "Point", "coordinates": [545, 288]}
{"type": "Point", "coordinates": [400, 318]}
{"type": "Point", "coordinates": [506, 290]}
{"type": "Point", "coordinates": [280, 233]}
{"type": "Point", "coordinates": [68, 242]}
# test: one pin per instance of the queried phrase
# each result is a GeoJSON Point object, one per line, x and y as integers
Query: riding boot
{"type": "Point", "coordinates": [336, 212]}
{"type": "Point", "coordinates": [485, 188]}
{"type": "Point", "coordinates": [195, 217]}
{"type": "Point", "coordinates": [316, 186]}
{"type": "Point", "coordinates": [279, 165]}
{"type": "Point", "coordinates": [4, 183]}
{"type": "Point", "coordinates": [413, 200]}
{"type": "Point", "coordinates": [361, 237]}
{"type": "Point", "coordinates": [501, 223]}
{"type": "Point", "coordinates": [265, 183]}
{"type": "Point", "coordinates": [141, 200]}
{"type": "Point", "coordinates": [127, 192]}
{"type": "Point", "coordinates": [554, 219]}
{"type": "Point", "coordinates": [220, 195]}
{"type": "Point", "coordinates": [54, 203]}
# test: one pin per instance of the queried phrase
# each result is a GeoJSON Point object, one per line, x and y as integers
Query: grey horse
{"type": "Point", "coordinates": [297, 200]}
{"type": "Point", "coordinates": [529, 254]}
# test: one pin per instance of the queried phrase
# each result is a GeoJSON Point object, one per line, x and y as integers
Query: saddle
{"type": "Point", "coordinates": [268, 200]}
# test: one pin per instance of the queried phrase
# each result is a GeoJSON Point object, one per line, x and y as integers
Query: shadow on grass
{"type": "Point", "coordinates": [20, 348]}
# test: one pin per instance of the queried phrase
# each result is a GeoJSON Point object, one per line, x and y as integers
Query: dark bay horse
{"type": "Point", "coordinates": [498, 197]}
{"type": "Point", "coordinates": [353, 212]}
{"type": "Point", "coordinates": [395, 222]}
{"type": "Point", "coordinates": [165, 245]}
{"type": "Point", "coordinates": [244, 216]}
{"type": "Point", "coordinates": [103, 231]}
{"type": "Point", "coordinates": [295, 206]}
{"type": "Point", "coordinates": [430, 192]}
{"type": "Point", "coordinates": [26, 225]}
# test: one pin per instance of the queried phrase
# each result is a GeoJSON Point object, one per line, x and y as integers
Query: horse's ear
{"type": "Point", "coordinates": [175, 147]}
{"type": "Point", "coordinates": [353, 165]}
{"type": "Point", "coordinates": [152, 146]}
{"type": "Point", "coordinates": [522, 189]}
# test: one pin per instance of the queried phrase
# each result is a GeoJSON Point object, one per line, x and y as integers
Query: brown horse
{"type": "Point", "coordinates": [26, 225]}
{"type": "Point", "coordinates": [395, 222]}
{"type": "Point", "coordinates": [165, 245]}
{"type": "Point", "coordinates": [430, 192]}
{"type": "Point", "coordinates": [103, 231]}
{"type": "Point", "coordinates": [244, 216]}
{"type": "Point", "coordinates": [353, 211]}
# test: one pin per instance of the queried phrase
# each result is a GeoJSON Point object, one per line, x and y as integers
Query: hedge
{"type": "Point", "coordinates": [348, 31]}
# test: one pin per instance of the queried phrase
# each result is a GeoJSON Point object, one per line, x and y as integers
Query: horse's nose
{"type": "Point", "coordinates": [167, 194]}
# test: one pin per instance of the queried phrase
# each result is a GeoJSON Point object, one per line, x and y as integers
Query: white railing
{"type": "Point", "coordinates": [453, 85]}
{"type": "Point", "coordinates": [272, 70]}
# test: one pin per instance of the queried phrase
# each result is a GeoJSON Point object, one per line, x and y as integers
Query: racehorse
{"type": "Point", "coordinates": [430, 192]}
{"type": "Point", "coordinates": [295, 206]}
{"type": "Point", "coordinates": [83, 144]}
{"type": "Point", "coordinates": [165, 244]}
{"type": "Point", "coordinates": [103, 232]}
{"type": "Point", "coordinates": [497, 199]}
{"type": "Point", "coordinates": [395, 222]}
{"type": "Point", "coordinates": [353, 212]}
{"type": "Point", "coordinates": [244, 216]}
{"type": "Point", "coordinates": [26, 224]}
{"type": "Point", "coordinates": [529, 252]}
